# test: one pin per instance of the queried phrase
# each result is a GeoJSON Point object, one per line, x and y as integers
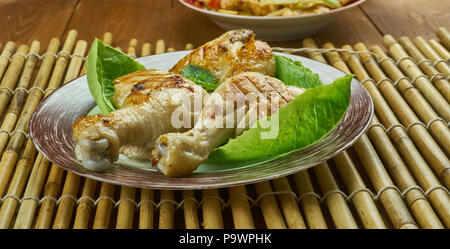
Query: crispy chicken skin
{"type": "Point", "coordinates": [178, 154]}
{"type": "Point", "coordinates": [146, 100]}
{"type": "Point", "coordinates": [232, 53]}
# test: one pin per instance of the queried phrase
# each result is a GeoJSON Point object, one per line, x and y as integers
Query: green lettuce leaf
{"type": "Point", "coordinates": [104, 64]}
{"type": "Point", "coordinates": [200, 77]}
{"type": "Point", "coordinates": [303, 122]}
{"type": "Point", "coordinates": [294, 73]}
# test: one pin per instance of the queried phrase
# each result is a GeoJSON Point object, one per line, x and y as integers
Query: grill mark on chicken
{"type": "Point", "coordinates": [138, 87]}
{"type": "Point", "coordinates": [178, 154]}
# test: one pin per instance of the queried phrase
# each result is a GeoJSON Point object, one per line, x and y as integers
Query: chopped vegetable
{"type": "Point", "coordinates": [200, 77]}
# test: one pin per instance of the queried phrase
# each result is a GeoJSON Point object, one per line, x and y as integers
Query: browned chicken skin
{"type": "Point", "coordinates": [146, 100]}
{"type": "Point", "coordinates": [232, 53]}
{"type": "Point", "coordinates": [178, 154]}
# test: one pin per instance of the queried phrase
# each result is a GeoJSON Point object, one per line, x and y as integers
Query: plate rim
{"type": "Point", "coordinates": [93, 175]}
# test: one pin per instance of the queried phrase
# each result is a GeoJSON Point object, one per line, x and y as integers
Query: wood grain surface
{"type": "Point", "coordinates": [151, 20]}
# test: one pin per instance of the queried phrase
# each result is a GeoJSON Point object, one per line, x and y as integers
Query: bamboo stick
{"type": "Point", "coordinates": [7, 52]}
{"type": "Point", "coordinates": [440, 64]}
{"type": "Point", "coordinates": [240, 208]}
{"type": "Point", "coordinates": [19, 97]}
{"type": "Point", "coordinates": [11, 77]}
{"type": "Point", "coordinates": [444, 53]}
{"type": "Point", "coordinates": [444, 35]}
{"type": "Point", "coordinates": [363, 76]}
{"type": "Point", "coordinates": [269, 206]}
{"type": "Point", "coordinates": [146, 49]}
{"type": "Point", "coordinates": [390, 198]}
{"type": "Point", "coordinates": [66, 206]}
{"type": "Point", "coordinates": [166, 210]}
{"type": "Point", "coordinates": [336, 203]}
{"type": "Point", "coordinates": [51, 190]}
{"type": "Point", "coordinates": [430, 92]}
{"type": "Point", "coordinates": [126, 208]}
{"type": "Point", "coordinates": [212, 210]}
{"type": "Point", "coordinates": [53, 184]}
{"type": "Point", "coordinates": [288, 204]}
{"type": "Point", "coordinates": [104, 206]}
{"type": "Point", "coordinates": [24, 166]}
{"type": "Point", "coordinates": [108, 38]}
{"type": "Point", "coordinates": [146, 209]}
{"type": "Point", "coordinates": [423, 140]}
{"type": "Point", "coordinates": [339, 201]}
{"type": "Point", "coordinates": [160, 47]}
{"type": "Point", "coordinates": [190, 210]}
{"type": "Point", "coordinates": [309, 203]}
{"type": "Point", "coordinates": [416, 200]}
{"type": "Point", "coordinates": [426, 66]}
{"type": "Point", "coordinates": [34, 96]}
{"type": "Point", "coordinates": [362, 201]}
{"type": "Point", "coordinates": [25, 215]}
{"type": "Point", "coordinates": [28, 207]}
{"type": "Point", "coordinates": [310, 43]}
{"type": "Point", "coordinates": [405, 146]}
{"type": "Point", "coordinates": [85, 207]}
{"type": "Point", "coordinates": [10, 156]}
{"type": "Point", "coordinates": [17, 185]}
{"type": "Point", "coordinates": [438, 128]}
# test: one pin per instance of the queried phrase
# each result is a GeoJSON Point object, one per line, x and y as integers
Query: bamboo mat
{"type": "Point", "coordinates": [396, 176]}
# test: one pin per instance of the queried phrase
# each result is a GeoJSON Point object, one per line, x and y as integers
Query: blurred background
{"type": "Point", "coordinates": [150, 20]}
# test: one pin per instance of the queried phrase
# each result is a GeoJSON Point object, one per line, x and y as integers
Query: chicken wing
{"type": "Point", "coordinates": [146, 101]}
{"type": "Point", "coordinates": [232, 53]}
{"type": "Point", "coordinates": [243, 98]}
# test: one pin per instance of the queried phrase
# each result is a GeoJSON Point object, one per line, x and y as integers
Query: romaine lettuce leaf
{"type": "Point", "coordinates": [303, 122]}
{"type": "Point", "coordinates": [104, 64]}
{"type": "Point", "coordinates": [294, 73]}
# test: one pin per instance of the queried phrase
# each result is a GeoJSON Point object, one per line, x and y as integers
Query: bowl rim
{"type": "Point", "coordinates": [214, 13]}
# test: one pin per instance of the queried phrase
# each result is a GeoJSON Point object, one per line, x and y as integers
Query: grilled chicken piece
{"type": "Point", "coordinates": [146, 101]}
{"type": "Point", "coordinates": [232, 53]}
{"type": "Point", "coordinates": [240, 99]}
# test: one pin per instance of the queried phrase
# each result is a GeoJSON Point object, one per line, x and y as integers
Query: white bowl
{"type": "Point", "coordinates": [275, 28]}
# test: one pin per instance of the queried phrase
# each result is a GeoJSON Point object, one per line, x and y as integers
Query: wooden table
{"type": "Point", "coordinates": [150, 20]}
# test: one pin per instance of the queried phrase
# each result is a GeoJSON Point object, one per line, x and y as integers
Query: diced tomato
{"type": "Point", "coordinates": [198, 4]}
{"type": "Point", "coordinates": [195, 3]}
{"type": "Point", "coordinates": [213, 4]}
